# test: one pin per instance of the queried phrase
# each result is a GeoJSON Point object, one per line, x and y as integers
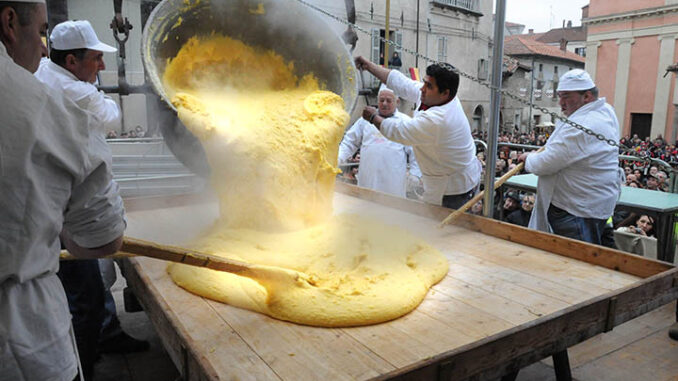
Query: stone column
{"type": "Point", "coordinates": [622, 79]}
{"type": "Point", "coordinates": [592, 58]}
{"type": "Point", "coordinates": [667, 43]}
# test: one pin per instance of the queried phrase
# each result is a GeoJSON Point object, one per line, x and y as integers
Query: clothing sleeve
{"type": "Point", "coordinates": [414, 166]}
{"type": "Point", "coordinates": [420, 130]}
{"type": "Point", "coordinates": [351, 142]}
{"type": "Point", "coordinates": [403, 86]}
{"type": "Point", "coordinates": [103, 107]}
{"type": "Point", "coordinates": [95, 214]}
{"type": "Point", "coordinates": [557, 155]}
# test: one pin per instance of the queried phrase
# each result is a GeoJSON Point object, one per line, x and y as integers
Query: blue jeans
{"type": "Point", "coordinates": [567, 225]}
{"type": "Point", "coordinates": [85, 293]}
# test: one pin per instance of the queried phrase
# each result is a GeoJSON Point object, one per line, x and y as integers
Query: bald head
{"type": "Point", "coordinates": [388, 102]}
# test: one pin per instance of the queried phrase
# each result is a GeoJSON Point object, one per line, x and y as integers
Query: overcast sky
{"type": "Point", "coordinates": [542, 15]}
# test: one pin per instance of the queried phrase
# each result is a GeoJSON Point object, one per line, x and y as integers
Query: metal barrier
{"type": "Point", "coordinates": [666, 167]}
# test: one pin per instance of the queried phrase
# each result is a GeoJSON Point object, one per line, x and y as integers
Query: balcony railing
{"type": "Point", "coordinates": [468, 6]}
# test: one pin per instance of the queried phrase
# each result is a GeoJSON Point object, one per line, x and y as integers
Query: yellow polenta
{"type": "Point", "coordinates": [271, 139]}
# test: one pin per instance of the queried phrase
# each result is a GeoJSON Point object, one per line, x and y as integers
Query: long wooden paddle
{"type": "Point", "coordinates": [264, 274]}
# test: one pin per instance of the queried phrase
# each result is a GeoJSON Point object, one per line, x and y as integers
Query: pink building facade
{"type": "Point", "coordinates": [629, 45]}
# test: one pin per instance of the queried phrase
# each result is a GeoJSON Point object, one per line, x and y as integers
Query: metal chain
{"type": "Point", "coordinates": [504, 92]}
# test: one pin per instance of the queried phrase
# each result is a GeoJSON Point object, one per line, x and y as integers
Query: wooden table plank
{"type": "Point", "coordinates": [565, 271]}
{"type": "Point", "coordinates": [492, 298]}
{"type": "Point", "coordinates": [536, 302]}
{"type": "Point", "coordinates": [493, 271]}
{"type": "Point", "coordinates": [296, 352]}
{"type": "Point", "coordinates": [205, 332]}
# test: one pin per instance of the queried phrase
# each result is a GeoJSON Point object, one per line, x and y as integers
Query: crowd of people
{"type": "Point", "coordinates": [639, 173]}
{"type": "Point", "coordinates": [137, 132]}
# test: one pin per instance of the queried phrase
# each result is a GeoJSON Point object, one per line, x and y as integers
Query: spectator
{"type": "Point", "coordinates": [511, 204]}
{"type": "Point", "coordinates": [641, 225]}
{"type": "Point", "coordinates": [477, 208]}
{"type": "Point", "coordinates": [522, 216]}
{"type": "Point", "coordinates": [652, 182]}
{"type": "Point", "coordinates": [395, 61]}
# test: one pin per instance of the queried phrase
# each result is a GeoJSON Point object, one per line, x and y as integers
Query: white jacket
{"type": "Point", "coordinates": [577, 172]}
{"type": "Point", "coordinates": [383, 163]}
{"type": "Point", "coordinates": [441, 139]}
{"type": "Point", "coordinates": [84, 94]}
{"type": "Point", "coordinates": [52, 176]}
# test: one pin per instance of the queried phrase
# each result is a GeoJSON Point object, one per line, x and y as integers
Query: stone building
{"type": "Point", "coordinates": [630, 44]}
{"type": "Point", "coordinates": [456, 31]}
{"type": "Point", "coordinates": [534, 78]}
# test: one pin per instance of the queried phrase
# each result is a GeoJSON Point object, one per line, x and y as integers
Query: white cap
{"type": "Point", "coordinates": [384, 88]}
{"type": "Point", "coordinates": [29, 1]}
{"type": "Point", "coordinates": [71, 35]}
{"type": "Point", "coordinates": [575, 80]}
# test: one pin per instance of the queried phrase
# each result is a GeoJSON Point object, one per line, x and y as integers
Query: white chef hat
{"type": "Point", "coordinates": [384, 88]}
{"type": "Point", "coordinates": [71, 35]}
{"type": "Point", "coordinates": [29, 1]}
{"type": "Point", "coordinates": [575, 80]}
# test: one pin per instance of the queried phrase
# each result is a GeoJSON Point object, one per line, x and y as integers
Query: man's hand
{"type": "Point", "coordinates": [380, 72]}
{"type": "Point", "coordinates": [362, 63]}
{"type": "Point", "coordinates": [523, 156]}
{"type": "Point", "coordinates": [369, 113]}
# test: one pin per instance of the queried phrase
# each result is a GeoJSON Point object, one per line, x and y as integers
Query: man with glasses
{"type": "Point", "coordinates": [579, 175]}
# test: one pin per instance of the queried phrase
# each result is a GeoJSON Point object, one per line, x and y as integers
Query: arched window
{"type": "Point", "coordinates": [478, 115]}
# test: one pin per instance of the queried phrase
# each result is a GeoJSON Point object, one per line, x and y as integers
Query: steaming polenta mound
{"type": "Point", "coordinates": [271, 139]}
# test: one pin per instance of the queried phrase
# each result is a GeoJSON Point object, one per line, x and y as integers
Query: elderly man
{"type": "Point", "coordinates": [383, 163]}
{"type": "Point", "coordinates": [75, 59]}
{"type": "Point", "coordinates": [579, 175]}
{"type": "Point", "coordinates": [54, 183]}
{"type": "Point", "coordinates": [439, 132]}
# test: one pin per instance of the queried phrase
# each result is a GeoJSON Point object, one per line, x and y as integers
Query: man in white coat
{"type": "Point", "coordinates": [579, 175]}
{"type": "Point", "coordinates": [54, 184]}
{"type": "Point", "coordinates": [439, 132]}
{"type": "Point", "coordinates": [74, 61]}
{"type": "Point", "coordinates": [383, 163]}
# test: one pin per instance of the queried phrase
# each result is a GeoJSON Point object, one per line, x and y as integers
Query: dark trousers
{"type": "Point", "coordinates": [567, 225]}
{"type": "Point", "coordinates": [85, 293]}
{"type": "Point", "coordinates": [456, 201]}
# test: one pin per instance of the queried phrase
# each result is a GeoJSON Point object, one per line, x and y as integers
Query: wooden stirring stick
{"type": "Point", "coordinates": [261, 273]}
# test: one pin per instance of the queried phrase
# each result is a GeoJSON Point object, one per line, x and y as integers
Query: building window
{"type": "Point", "coordinates": [555, 73]}
{"type": "Point", "coordinates": [483, 68]}
{"type": "Point", "coordinates": [442, 49]}
{"type": "Point", "coordinates": [541, 68]}
{"type": "Point", "coordinates": [580, 51]}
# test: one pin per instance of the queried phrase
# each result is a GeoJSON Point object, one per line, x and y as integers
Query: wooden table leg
{"type": "Point", "coordinates": [666, 239]}
{"type": "Point", "coordinates": [561, 364]}
{"type": "Point", "coordinates": [510, 376]}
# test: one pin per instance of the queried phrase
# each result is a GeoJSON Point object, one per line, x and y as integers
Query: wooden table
{"type": "Point", "coordinates": [661, 205]}
{"type": "Point", "coordinates": [512, 297]}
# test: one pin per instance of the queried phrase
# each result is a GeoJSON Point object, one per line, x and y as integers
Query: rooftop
{"type": "Point", "coordinates": [577, 33]}
{"type": "Point", "coordinates": [525, 46]}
